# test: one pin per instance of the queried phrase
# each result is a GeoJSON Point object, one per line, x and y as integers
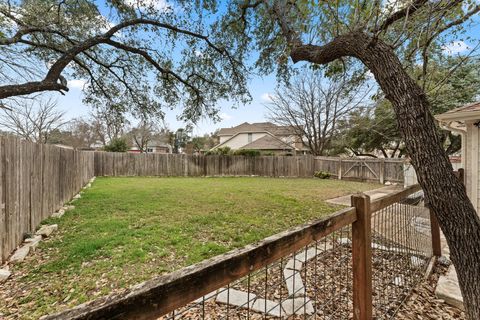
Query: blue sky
{"type": "Point", "coordinates": [260, 88]}
{"type": "Point", "coordinates": [72, 104]}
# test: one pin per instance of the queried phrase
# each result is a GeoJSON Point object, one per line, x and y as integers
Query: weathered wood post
{"type": "Point", "coordinates": [382, 171]}
{"type": "Point", "coordinates": [362, 258]}
{"type": "Point", "coordinates": [340, 169]}
{"type": "Point", "coordinates": [435, 231]}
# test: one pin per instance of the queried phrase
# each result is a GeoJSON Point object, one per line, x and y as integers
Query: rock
{"type": "Point", "coordinates": [68, 207]}
{"type": "Point", "coordinates": [77, 196]}
{"type": "Point", "coordinates": [33, 242]}
{"type": "Point", "coordinates": [292, 264]}
{"type": "Point", "coordinates": [306, 255]}
{"type": "Point", "coordinates": [20, 254]}
{"type": "Point", "coordinates": [298, 306]}
{"type": "Point", "coordinates": [448, 289]}
{"type": "Point", "coordinates": [416, 261]}
{"type": "Point", "coordinates": [344, 241]}
{"type": "Point", "coordinates": [235, 297]}
{"type": "Point", "coordinates": [399, 281]}
{"type": "Point", "coordinates": [272, 308]}
{"type": "Point", "coordinates": [46, 231]}
{"type": "Point", "coordinates": [294, 283]}
{"type": "Point", "coordinates": [58, 214]}
{"type": "Point", "coordinates": [444, 261]}
{"type": "Point", "coordinates": [4, 275]}
{"type": "Point", "coordinates": [388, 183]}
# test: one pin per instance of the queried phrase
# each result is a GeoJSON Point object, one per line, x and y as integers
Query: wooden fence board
{"type": "Point", "coordinates": [35, 181]}
{"type": "Point", "coordinates": [125, 164]}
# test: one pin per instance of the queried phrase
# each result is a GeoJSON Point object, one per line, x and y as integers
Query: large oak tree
{"type": "Point", "coordinates": [387, 38]}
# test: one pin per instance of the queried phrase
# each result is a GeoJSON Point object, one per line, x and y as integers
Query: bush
{"type": "Point", "coordinates": [247, 152]}
{"type": "Point", "coordinates": [268, 153]}
{"type": "Point", "coordinates": [219, 152]}
{"type": "Point", "coordinates": [322, 175]}
{"type": "Point", "coordinates": [117, 145]}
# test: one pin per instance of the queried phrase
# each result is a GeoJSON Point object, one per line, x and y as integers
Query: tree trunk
{"type": "Point", "coordinates": [444, 193]}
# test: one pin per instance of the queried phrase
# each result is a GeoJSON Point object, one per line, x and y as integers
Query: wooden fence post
{"type": "Point", "coordinates": [340, 169]}
{"type": "Point", "coordinates": [362, 258]}
{"type": "Point", "coordinates": [382, 171]}
{"type": "Point", "coordinates": [435, 230]}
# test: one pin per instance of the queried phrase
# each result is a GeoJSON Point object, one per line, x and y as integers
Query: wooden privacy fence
{"type": "Point", "coordinates": [150, 164]}
{"type": "Point", "coordinates": [35, 181]}
{"type": "Point", "coordinates": [381, 170]}
{"type": "Point", "coordinates": [321, 269]}
{"type": "Point", "coordinates": [130, 164]}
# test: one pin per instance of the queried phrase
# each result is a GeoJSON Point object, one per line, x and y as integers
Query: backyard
{"type": "Point", "coordinates": [126, 230]}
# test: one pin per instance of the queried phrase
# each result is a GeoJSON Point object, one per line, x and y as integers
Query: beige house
{"type": "Point", "coordinates": [153, 147]}
{"type": "Point", "coordinates": [466, 122]}
{"type": "Point", "coordinates": [263, 136]}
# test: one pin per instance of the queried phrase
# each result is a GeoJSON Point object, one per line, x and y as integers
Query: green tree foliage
{"type": "Point", "coordinates": [117, 145]}
{"type": "Point", "coordinates": [371, 131]}
{"type": "Point", "coordinates": [451, 82]}
{"type": "Point", "coordinates": [137, 54]}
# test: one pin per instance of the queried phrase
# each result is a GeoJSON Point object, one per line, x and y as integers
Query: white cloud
{"type": "Point", "coordinates": [78, 84]}
{"type": "Point", "coordinates": [267, 97]}
{"type": "Point", "coordinates": [455, 47]}
{"type": "Point", "coordinates": [225, 116]}
{"type": "Point", "coordinates": [160, 5]}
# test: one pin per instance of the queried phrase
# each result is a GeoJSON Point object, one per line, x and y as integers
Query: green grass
{"type": "Point", "coordinates": [126, 230]}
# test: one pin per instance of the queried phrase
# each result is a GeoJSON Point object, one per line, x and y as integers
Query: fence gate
{"type": "Point", "coordinates": [362, 169]}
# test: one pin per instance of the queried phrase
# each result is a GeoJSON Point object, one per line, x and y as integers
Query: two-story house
{"type": "Point", "coordinates": [262, 136]}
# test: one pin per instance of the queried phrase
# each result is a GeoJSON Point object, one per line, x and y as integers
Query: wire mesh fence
{"type": "Point", "coordinates": [401, 250]}
{"type": "Point", "coordinates": [312, 283]}
{"type": "Point", "coordinates": [316, 282]}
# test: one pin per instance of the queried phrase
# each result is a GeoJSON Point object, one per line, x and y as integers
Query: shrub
{"type": "Point", "coordinates": [247, 152]}
{"type": "Point", "coordinates": [322, 175]}
{"type": "Point", "coordinates": [219, 151]}
{"type": "Point", "coordinates": [117, 145]}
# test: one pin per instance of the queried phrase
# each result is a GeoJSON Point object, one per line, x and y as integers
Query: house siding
{"type": "Point", "coordinates": [241, 139]}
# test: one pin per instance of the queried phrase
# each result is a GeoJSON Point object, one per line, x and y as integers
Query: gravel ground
{"type": "Point", "coordinates": [328, 282]}
{"type": "Point", "coordinates": [422, 303]}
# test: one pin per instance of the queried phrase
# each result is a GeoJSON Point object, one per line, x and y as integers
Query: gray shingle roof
{"type": "Point", "coordinates": [258, 127]}
{"type": "Point", "coordinates": [268, 142]}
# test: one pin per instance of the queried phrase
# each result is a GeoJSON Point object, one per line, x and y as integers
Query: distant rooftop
{"type": "Point", "coordinates": [268, 142]}
{"type": "Point", "coordinates": [257, 127]}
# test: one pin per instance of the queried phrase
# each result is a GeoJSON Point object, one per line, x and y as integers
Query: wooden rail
{"type": "Point", "coordinates": [390, 199]}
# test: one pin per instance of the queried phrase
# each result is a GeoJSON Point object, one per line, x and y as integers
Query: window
{"type": "Point", "coordinates": [250, 137]}
{"type": "Point", "coordinates": [149, 150]}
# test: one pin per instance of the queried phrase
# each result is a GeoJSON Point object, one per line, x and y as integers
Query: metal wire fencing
{"type": "Point", "coordinates": [401, 251]}
{"type": "Point", "coordinates": [313, 282]}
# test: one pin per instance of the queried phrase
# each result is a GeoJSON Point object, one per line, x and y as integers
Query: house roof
{"type": "Point", "coordinates": [258, 127]}
{"type": "Point", "coordinates": [467, 112]}
{"type": "Point", "coordinates": [268, 142]}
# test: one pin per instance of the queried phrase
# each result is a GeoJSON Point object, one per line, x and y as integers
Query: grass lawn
{"type": "Point", "coordinates": [126, 230]}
